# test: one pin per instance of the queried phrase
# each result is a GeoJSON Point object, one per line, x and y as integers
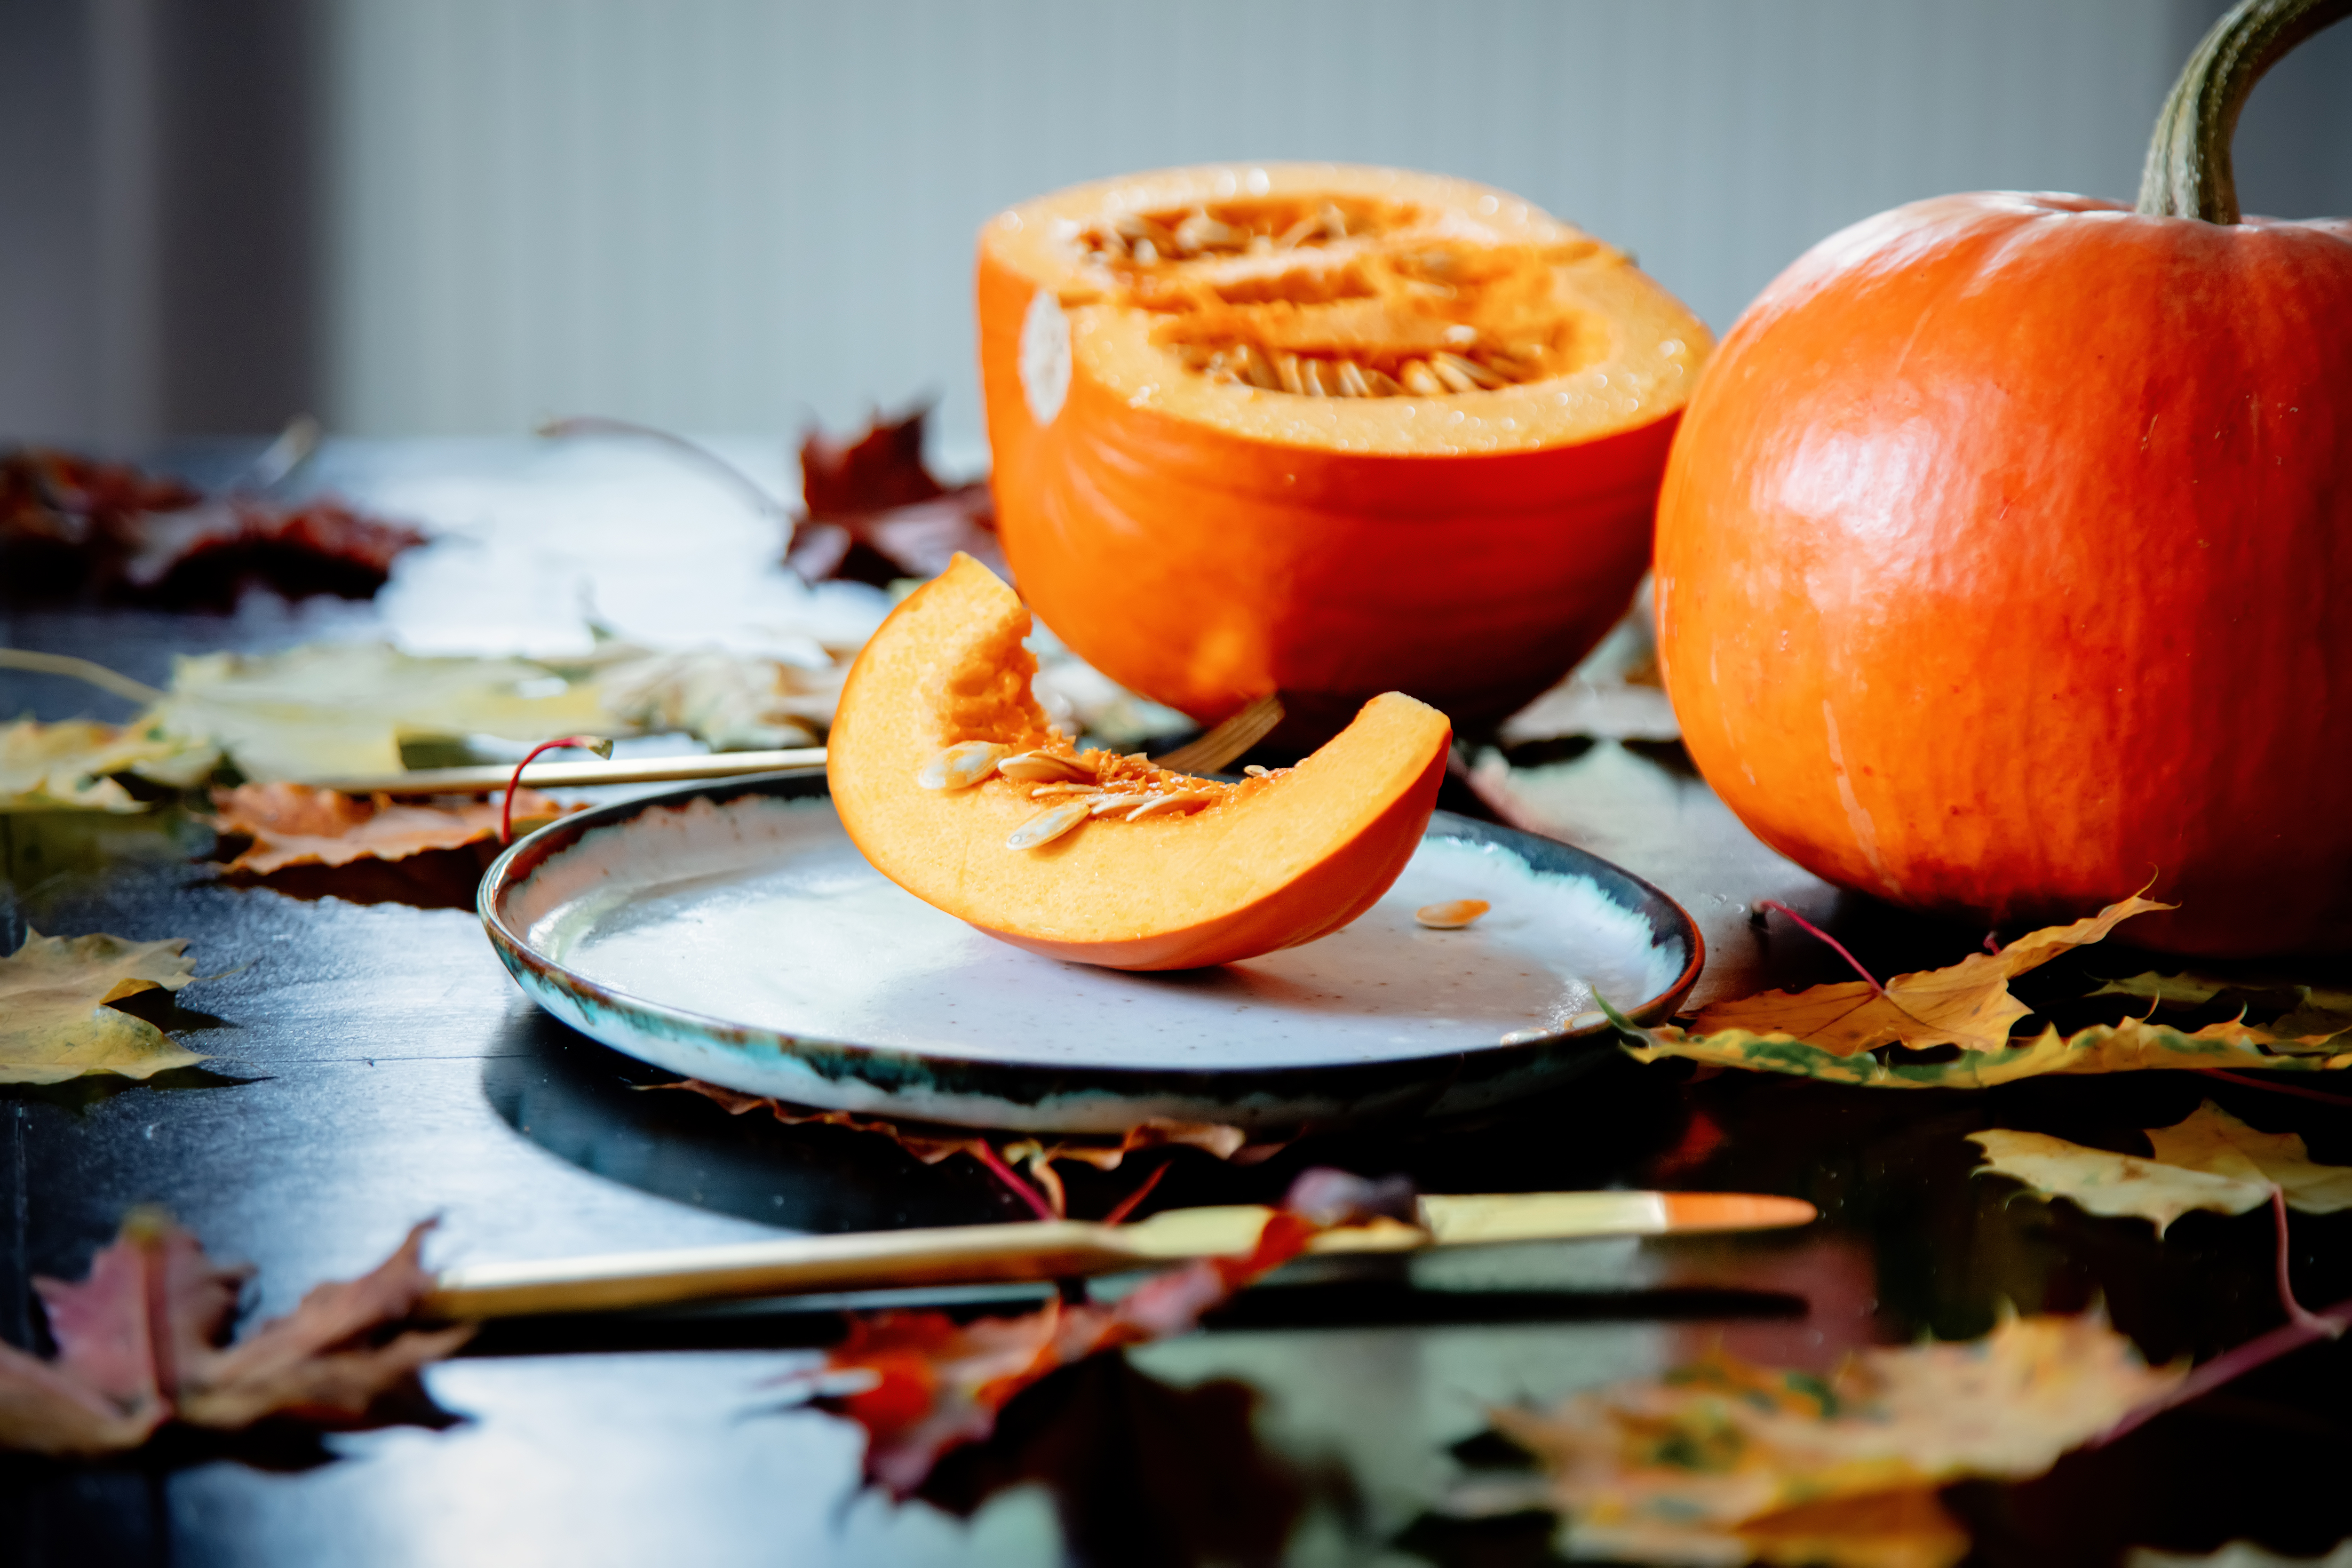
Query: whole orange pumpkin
{"type": "Point", "coordinates": [2005, 551]}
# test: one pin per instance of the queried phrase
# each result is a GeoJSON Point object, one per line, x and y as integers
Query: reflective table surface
{"type": "Point", "coordinates": [373, 1066]}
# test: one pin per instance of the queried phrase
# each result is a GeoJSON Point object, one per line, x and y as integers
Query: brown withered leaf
{"type": "Point", "coordinates": [71, 526]}
{"type": "Point", "coordinates": [921, 1383]}
{"type": "Point", "coordinates": [872, 512]}
{"type": "Point", "coordinates": [143, 1340]}
{"type": "Point", "coordinates": [1729, 1462]}
{"type": "Point", "coordinates": [58, 1013]}
{"type": "Point", "coordinates": [297, 825]}
{"type": "Point", "coordinates": [1968, 1004]}
{"type": "Point", "coordinates": [2209, 1161]}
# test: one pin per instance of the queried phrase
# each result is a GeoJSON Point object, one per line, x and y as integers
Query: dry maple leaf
{"type": "Point", "coordinates": [872, 511]}
{"type": "Point", "coordinates": [72, 525]}
{"type": "Point", "coordinates": [71, 764]}
{"type": "Point", "coordinates": [335, 710]}
{"type": "Point", "coordinates": [143, 1340]}
{"type": "Point", "coordinates": [1725, 1462]}
{"type": "Point", "coordinates": [296, 824]}
{"type": "Point", "coordinates": [921, 1383]}
{"type": "Point", "coordinates": [2132, 1045]}
{"type": "Point", "coordinates": [57, 1013]}
{"type": "Point", "coordinates": [2209, 1161]}
{"type": "Point", "coordinates": [1831, 1032]}
{"type": "Point", "coordinates": [1968, 1004]}
{"type": "Point", "coordinates": [730, 701]}
{"type": "Point", "coordinates": [2311, 1013]}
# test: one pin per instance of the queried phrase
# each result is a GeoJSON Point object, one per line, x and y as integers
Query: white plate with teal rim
{"type": "Point", "coordinates": [730, 931]}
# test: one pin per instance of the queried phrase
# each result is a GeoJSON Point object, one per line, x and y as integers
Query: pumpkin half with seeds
{"type": "Point", "coordinates": [951, 781]}
{"type": "Point", "coordinates": [1325, 431]}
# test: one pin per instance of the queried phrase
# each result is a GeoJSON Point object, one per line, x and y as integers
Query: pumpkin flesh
{"type": "Point", "coordinates": [1266, 863]}
{"type": "Point", "coordinates": [1323, 430]}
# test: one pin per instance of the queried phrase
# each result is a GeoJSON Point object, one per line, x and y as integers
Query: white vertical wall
{"type": "Point", "coordinates": [729, 215]}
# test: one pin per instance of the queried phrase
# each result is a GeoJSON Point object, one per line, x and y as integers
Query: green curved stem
{"type": "Point", "coordinates": [2187, 172]}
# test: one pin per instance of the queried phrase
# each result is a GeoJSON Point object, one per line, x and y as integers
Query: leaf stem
{"type": "Point", "coordinates": [2249, 1081]}
{"type": "Point", "coordinates": [601, 747]}
{"type": "Point", "coordinates": [1126, 1204]}
{"type": "Point", "coordinates": [1868, 978]}
{"type": "Point", "coordinates": [2302, 1328]}
{"type": "Point", "coordinates": [985, 1152]}
{"type": "Point", "coordinates": [83, 670]}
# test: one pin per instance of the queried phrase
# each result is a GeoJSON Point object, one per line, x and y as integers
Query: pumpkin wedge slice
{"type": "Point", "coordinates": [952, 782]}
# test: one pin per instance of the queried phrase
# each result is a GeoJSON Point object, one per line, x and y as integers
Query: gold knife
{"type": "Point", "coordinates": [1061, 1249]}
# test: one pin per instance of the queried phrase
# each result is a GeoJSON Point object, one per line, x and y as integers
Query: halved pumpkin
{"type": "Point", "coordinates": [1326, 431]}
{"type": "Point", "coordinates": [952, 782]}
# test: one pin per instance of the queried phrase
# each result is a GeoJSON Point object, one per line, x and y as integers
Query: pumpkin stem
{"type": "Point", "coordinates": [2187, 172]}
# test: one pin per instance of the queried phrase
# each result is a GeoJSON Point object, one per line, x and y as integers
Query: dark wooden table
{"type": "Point", "coordinates": [374, 1066]}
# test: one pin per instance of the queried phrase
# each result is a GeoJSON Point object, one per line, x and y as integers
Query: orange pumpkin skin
{"type": "Point", "coordinates": [1204, 567]}
{"type": "Point", "coordinates": [2005, 563]}
{"type": "Point", "coordinates": [1204, 572]}
{"type": "Point", "coordinates": [1272, 862]}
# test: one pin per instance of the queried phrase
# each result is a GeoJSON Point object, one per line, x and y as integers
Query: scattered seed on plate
{"type": "Point", "coordinates": [1048, 825]}
{"type": "Point", "coordinates": [961, 766]}
{"type": "Point", "coordinates": [1452, 915]}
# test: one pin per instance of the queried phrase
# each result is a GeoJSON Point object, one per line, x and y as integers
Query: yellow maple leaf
{"type": "Point", "coordinates": [2209, 1161]}
{"type": "Point", "coordinates": [56, 1017]}
{"type": "Point", "coordinates": [328, 710]}
{"type": "Point", "coordinates": [1725, 1461]}
{"type": "Point", "coordinates": [70, 765]}
{"type": "Point", "coordinates": [2134, 1045]}
{"type": "Point", "coordinates": [1968, 1004]}
{"type": "Point", "coordinates": [2317, 1013]}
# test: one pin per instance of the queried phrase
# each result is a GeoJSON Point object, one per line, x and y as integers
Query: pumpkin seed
{"type": "Point", "coordinates": [1351, 380]}
{"type": "Point", "coordinates": [1047, 824]}
{"type": "Point", "coordinates": [1464, 375]}
{"type": "Point", "coordinates": [1452, 915]}
{"type": "Point", "coordinates": [1257, 770]}
{"type": "Point", "coordinates": [1419, 380]}
{"type": "Point", "coordinates": [1045, 767]}
{"type": "Point", "coordinates": [1286, 370]}
{"type": "Point", "coordinates": [1256, 369]}
{"type": "Point", "coordinates": [1310, 378]}
{"type": "Point", "coordinates": [1182, 800]}
{"type": "Point", "coordinates": [961, 766]}
{"type": "Point", "coordinates": [1047, 792]}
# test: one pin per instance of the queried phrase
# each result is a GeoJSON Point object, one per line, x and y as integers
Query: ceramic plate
{"type": "Point", "coordinates": [730, 931]}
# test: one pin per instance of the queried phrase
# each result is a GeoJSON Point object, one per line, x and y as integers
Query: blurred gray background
{"type": "Point", "coordinates": [461, 217]}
